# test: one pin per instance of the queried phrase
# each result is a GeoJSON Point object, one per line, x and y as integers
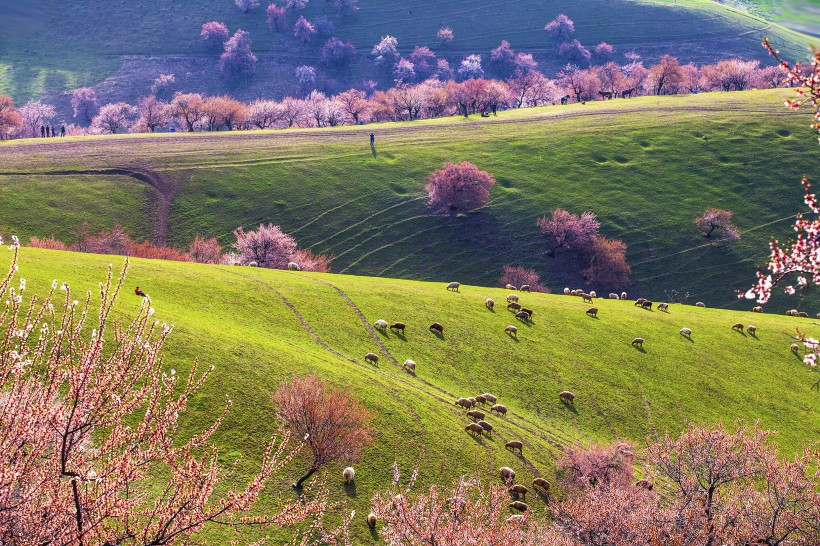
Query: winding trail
{"type": "Point", "coordinates": [164, 190]}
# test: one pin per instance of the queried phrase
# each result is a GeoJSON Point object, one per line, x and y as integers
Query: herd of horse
{"type": "Point", "coordinates": [626, 93]}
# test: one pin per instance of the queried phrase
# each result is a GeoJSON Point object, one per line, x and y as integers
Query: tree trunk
{"type": "Point", "coordinates": [304, 478]}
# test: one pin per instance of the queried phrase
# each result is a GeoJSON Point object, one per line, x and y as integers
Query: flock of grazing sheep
{"type": "Point", "coordinates": [479, 426]}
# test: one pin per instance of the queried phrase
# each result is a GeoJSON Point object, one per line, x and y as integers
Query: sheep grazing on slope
{"type": "Point", "coordinates": [522, 315]}
{"type": "Point", "coordinates": [512, 297]}
{"type": "Point", "coordinates": [751, 330]}
{"type": "Point", "coordinates": [507, 474]}
{"type": "Point", "coordinates": [488, 428]}
{"type": "Point", "coordinates": [381, 325]}
{"type": "Point", "coordinates": [520, 506]}
{"type": "Point", "coordinates": [349, 473]}
{"type": "Point", "coordinates": [474, 428]}
{"type": "Point", "coordinates": [514, 306]}
{"type": "Point", "coordinates": [646, 305]}
{"type": "Point", "coordinates": [520, 490]}
{"type": "Point", "coordinates": [437, 327]}
{"type": "Point", "coordinates": [490, 398]}
{"type": "Point", "coordinates": [567, 396]}
{"type": "Point", "coordinates": [454, 286]}
{"type": "Point", "coordinates": [541, 483]}
{"type": "Point", "coordinates": [623, 295]}
{"type": "Point", "coordinates": [525, 288]}
{"type": "Point", "coordinates": [490, 303]}
{"type": "Point", "coordinates": [686, 332]}
{"type": "Point", "coordinates": [737, 326]}
{"type": "Point", "coordinates": [593, 294]}
{"type": "Point", "coordinates": [371, 520]}
{"type": "Point", "coordinates": [370, 357]}
{"type": "Point", "coordinates": [252, 264]}
{"type": "Point", "coordinates": [512, 445]}
{"type": "Point", "coordinates": [637, 342]}
{"type": "Point", "coordinates": [613, 296]}
{"type": "Point", "coordinates": [511, 287]}
{"type": "Point", "coordinates": [409, 365]}
{"type": "Point", "coordinates": [663, 307]}
{"type": "Point", "coordinates": [795, 347]}
{"type": "Point", "coordinates": [592, 312]}
{"type": "Point", "coordinates": [293, 266]}
{"type": "Point", "coordinates": [465, 403]}
{"type": "Point", "coordinates": [498, 408]}
{"type": "Point", "coordinates": [700, 304]}
{"type": "Point", "coordinates": [757, 309]}
{"type": "Point", "coordinates": [476, 415]}
{"type": "Point", "coordinates": [803, 314]}
{"type": "Point", "coordinates": [639, 302]}
{"type": "Point", "coordinates": [480, 399]}
{"type": "Point", "coordinates": [530, 311]}
{"type": "Point", "coordinates": [567, 291]}
{"type": "Point", "coordinates": [586, 297]}
{"type": "Point", "coordinates": [792, 313]}
{"type": "Point", "coordinates": [512, 330]}
{"type": "Point", "coordinates": [398, 326]}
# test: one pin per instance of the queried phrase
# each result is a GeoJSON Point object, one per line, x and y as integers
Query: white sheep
{"type": "Point", "coordinates": [663, 307]}
{"type": "Point", "coordinates": [525, 288]}
{"type": "Point", "coordinates": [490, 398]}
{"type": "Point", "coordinates": [409, 365]}
{"type": "Point", "coordinates": [293, 266]}
{"type": "Point", "coordinates": [381, 325]}
{"type": "Point", "coordinates": [511, 287]}
{"type": "Point", "coordinates": [686, 332]}
{"type": "Point", "coordinates": [593, 294]}
{"type": "Point", "coordinates": [613, 296]}
{"type": "Point", "coordinates": [623, 295]}
{"type": "Point", "coordinates": [700, 304]}
{"type": "Point", "coordinates": [252, 264]}
{"type": "Point", "coordinates": [512, 297]}
{"type": "Point", "coordinates": [349, 474]}
{"type": "Point", "coordinates": [490, 303]}
{"type": "Point", "coordinates": [454, 286]}
{"type": "Point", "coordinates": [567, 291]}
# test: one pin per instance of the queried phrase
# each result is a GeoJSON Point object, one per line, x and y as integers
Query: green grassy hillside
{"type": "Point", "coordinates": [252, 325]}
{"type": "Point", "coordinates": [646, 166]}
{"type": "Point", "coordinates": [51, 46]}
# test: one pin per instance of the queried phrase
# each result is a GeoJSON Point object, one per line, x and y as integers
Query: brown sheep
{"type": "Point", "coordinates": [644, 484]}
{"type": "Point", "coordinates": [541, 483]}
{"type": "Point", "coordinates": [663, 307]}
{"type": "Point", "coordinates": [520, 506]}
{"type": "Point", "coordinates": [476, 415]}
{"type": "Point", "coordinates": [803, 314]}
{"type": "Point", "coordinates": [464, 403]}
{"type": "Point", "coordinates": [757, 309]}
{"type": "Point", "coordinates": [592, 312]}
{"type": "Point", "coordinates": [511, 287]}
{"type": "Point", "coordinates": [637, 342]}
{"type": "Point", "coordinates": [454, 286]}
{"type": "Point", "coordinates": [514, 306]}
{"type": "Point", "coordinates": [437, 327]}
{"type": "Point", "coordinates": [737, 326]}
{"type": "Point", "coordinates": [751, 330]}
{"type": "Point", "coordinates": [646, 305]}
{"type": "Point", "coordinates": [490, 398]}
{"type": "Point", "coordinates": [488, 428]}
{"type": "Point", "coordinates": [522, 315]}
{"type": "Point", "coordinates": [507, 474]}
{"type": "Point", "coordinates": [587, 298]}
{"type": "Point", "coordinates": [512, 330]}
{"type": "Point", "coordinates": [512, 445]}
{"type": "Point", "coordinates": [792, 313]}
{"type": "Point", "coordinates": [371, 520]}
{"type": "Point", "coordinates": [530, 311]}
{"type": "Point", "coordinates": [567, 396]}
{"type": "Point", "coordinates": [525, 288]}
{"type": "Point", "coordinates": [639, 302]}
{"type": "Point", "coordinates": [700, 304]}
{"type": "Point", "coordinates": [490, 303]}
{"type": "Point", "coordinates": [480, 399]}
{"type": "Point", "coordinates": [398, 326]}
{"type": "Point", "coordinates": [370, 357]}
{"type": "Point", "coordinates": [520, 490]}
{"type": "Point", "coordinates": [501, 410]}
{"type": "Point", "coordinates": [474, 428]}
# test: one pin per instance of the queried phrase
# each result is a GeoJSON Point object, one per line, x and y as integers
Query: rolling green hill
{"type": "Point", "coordinates": [645, 166]}
{"type": "Point", "coordinates": [258, 326]}
{"type": "Point", "coordinates": [51, 46]}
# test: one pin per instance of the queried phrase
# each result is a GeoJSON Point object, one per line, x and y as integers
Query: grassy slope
{"type": "Point", "coordinates": [646, 166]}
{"type": "Point", "coordinates": [51, 45]}
{"type": "Point", "coordinates": [234, 319]}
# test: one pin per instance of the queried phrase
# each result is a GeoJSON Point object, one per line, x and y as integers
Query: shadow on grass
{"type": "Point", "coordinates": [512, 337]}
{"type": "Point", "coordinates": [401, 336]}
{"type": "Point", "coordinates": [570, 407]}
{"type": "Point", "coordinates": [350, 489]}
{"type": "Point", "coordinates": [373, 150]}
{"type": "Point", "coordinates": [438, 334]}
{"type": "Point", "coordinates": [687, 338]}
{"type": "Point", "coordinates": [640, 348]}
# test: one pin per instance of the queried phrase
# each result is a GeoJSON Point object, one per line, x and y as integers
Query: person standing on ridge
{"type": "Point", "coordinates": [372, 138]}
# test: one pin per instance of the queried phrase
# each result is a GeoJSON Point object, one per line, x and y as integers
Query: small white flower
{"type": "Point", "coordinates": [790, 290]}
{"type": "Point", "coordinates": [54, 284]}
{"type": "Point", "coordinates": [750, 295]}
{"type": "Point", "coordinates": [173, 372]}
{"type": "Point", "coordinates": [150, 311]}
{"type": "Point", "coordinates": [802, 281]}
{"type": "Point", "coordinates": [22, 284]}
{"type": "Point", "coordinates": [810, 359]}
{"type": "Point", "coordinates": [64, 287]}
{"type": "Point", "coordinates": [75, 302]}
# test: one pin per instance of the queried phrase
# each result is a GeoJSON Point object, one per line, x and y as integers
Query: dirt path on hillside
{"type": "Point", "coordinates": [164, 190]}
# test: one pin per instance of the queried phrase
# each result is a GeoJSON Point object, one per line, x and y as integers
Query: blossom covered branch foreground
{"type": "Point", "coordinates": [89, 418]}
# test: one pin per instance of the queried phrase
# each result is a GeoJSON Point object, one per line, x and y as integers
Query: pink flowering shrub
{"type": "Point", "coordinates": [518, 276]}
{"type": "Point", "coordinates": [459, 188]}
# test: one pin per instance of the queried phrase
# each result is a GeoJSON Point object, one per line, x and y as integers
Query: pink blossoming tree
{"type": "Point", "coordinates": [459, 188]}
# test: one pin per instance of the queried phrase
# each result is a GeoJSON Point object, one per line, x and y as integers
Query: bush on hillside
{"type": "Point", "coordinates": [238, 59]}
{"type": "Point", "coordinates": [275, 17]}
{"type": "Point", "coordinates": [214, 34]}
{"type": "Point", "coordinates": [607, 263]}
{"type": "Point", "coordinates": [519, 276]}
{"type": "Point", "coordinates": [570, 231]}
{"type": "Point", "coordinates": [268, 246]}
{"type": "Point", "coordinates": [459, 188]}
{"type": "Point", "coordinates": [716, 224]}
{"type": "Point", "coordinates": [560, 28]}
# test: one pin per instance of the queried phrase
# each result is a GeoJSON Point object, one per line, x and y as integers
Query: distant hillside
{"type": "Point", "coordinates": [258, 326]}
{"type": "Point", "coordinates": [647, 167]}
{"type": "Point", "coordinates": [121, 46]}
{"type": "Point", "coordinates": [800, 15]}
